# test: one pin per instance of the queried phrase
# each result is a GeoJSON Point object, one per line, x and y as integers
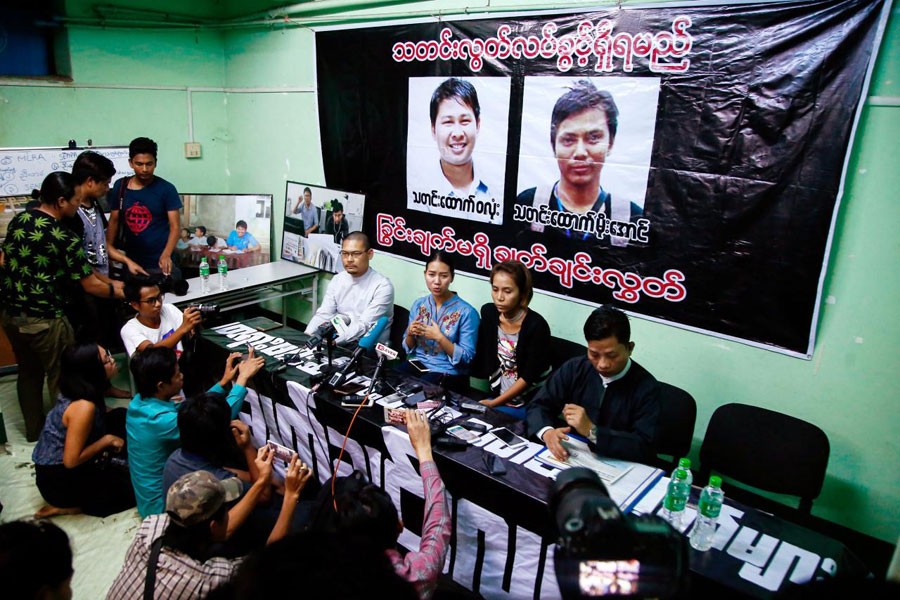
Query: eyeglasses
{"type": "Point", "coordinates": [354, 254]}
{"type": "Point", "coordinates": [108, 358]}
{"type": "Point", "coordinates": [153, 300]}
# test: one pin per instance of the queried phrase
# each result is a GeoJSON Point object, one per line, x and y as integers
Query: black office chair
{"type": "Point", "coordinates": [675, 432]}
{"type": "Point", "coordinates": [562, 350]}
{"type": "Point", "coordinates": [767, 450]}
{"type": "Point", "coordinates": [398, 328]}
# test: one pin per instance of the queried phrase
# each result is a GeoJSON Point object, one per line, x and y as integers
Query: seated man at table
{"type": "Point", "coordinates": [604, 396]}
{"type": "Point", "coordinates": [241, 239]}
{"type": "Point", "coordinates": [155, 324]}
{"type": "Point", "coordinates": [151, 421]}
{"type": "Point", "coordinates": [359, 293]}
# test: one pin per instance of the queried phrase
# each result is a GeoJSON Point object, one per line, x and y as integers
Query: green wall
{"type": "Point", "coordinates": [259, 128]}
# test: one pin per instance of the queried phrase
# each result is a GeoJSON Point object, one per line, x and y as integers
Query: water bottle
{"type": "Point", "coordinates": [204, 276]}
{"type": "Point", "coordinates": [707, 514]}
{"type": "Point", "coordinates": [676, 498]}
{"type": "Point", "coordinates": [685, 463]}
{"type": "Point", "coordinates": [223, 273]}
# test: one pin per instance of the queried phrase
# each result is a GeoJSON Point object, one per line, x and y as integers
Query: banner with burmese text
{"type": "Point", "coordinates": [681, 161]}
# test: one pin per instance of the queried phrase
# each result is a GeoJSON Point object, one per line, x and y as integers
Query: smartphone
{"type": "Point", "coordinates": [418, 364]}
{"type": "Point", "coordinates": [509, 438]}
{"type": "Point", "coordinates": [282, 452]}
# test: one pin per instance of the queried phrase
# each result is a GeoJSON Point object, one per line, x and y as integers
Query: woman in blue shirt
{"type": "Point", "coordinates": [442, 330]}
{"type": "Point", "coordinates": [72, 463]}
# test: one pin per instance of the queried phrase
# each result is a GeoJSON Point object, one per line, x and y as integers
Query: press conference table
{"type": "Point", "coordinates": [253, 285]}
{"type": "Point", "coordinates": [503, 535]}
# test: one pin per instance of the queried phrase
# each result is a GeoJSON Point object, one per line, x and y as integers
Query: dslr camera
{"type": "Point", "coordinates": [205, 308]}
{"type": "Point", "coordinates": [602, 552]}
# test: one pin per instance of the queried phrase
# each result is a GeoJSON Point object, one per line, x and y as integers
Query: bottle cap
{"type": "Point", "coordinates": [221, 257]}
{"type": "Point", "coordinates": [684, 463]}
{"type": "Point", "coordinates": [715, 481]}
{"type": "Point", "coordinates": [680, 474]}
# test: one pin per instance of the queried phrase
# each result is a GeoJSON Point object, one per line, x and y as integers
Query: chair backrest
{"type": "Point", "coordinates": [767, 450]}
{"type": "Point", "coordinates": [675, 432]}
{"type": "Point", "coordinates": [398, 328]}
{"type": "Point", "coordinates": [562, 350]}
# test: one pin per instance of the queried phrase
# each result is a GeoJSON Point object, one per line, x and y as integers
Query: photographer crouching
{"type": "Point", "coordinates": [158, 324]}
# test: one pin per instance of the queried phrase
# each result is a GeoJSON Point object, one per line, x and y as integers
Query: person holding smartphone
{"type": "Point", "coordinates": [442, 330]}
{"type": "Point", "coordinates": [512, 340]}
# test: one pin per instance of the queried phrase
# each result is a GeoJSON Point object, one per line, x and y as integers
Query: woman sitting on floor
{"type": "Point", "coordinates": [72, 464]}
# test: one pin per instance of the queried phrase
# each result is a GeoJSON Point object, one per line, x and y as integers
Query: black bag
{"type": "Point", "coordinates": [117, 270]}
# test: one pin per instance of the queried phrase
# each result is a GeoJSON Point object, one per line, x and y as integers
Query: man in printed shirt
{"type": "Point", "coordinates": [361, 509]}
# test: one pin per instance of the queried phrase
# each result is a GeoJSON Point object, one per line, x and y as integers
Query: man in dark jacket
{"type": "Point", "coordinates": [604, 396]}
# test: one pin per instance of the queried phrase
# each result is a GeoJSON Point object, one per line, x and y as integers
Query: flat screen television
{"type": "Point", "coordinates": [219, 214]}
{"type": "Point", "coordinates": [331, 208]}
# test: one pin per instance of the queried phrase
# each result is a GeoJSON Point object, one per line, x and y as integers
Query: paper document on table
{"type": "Point", "coordinates": [580, 455]}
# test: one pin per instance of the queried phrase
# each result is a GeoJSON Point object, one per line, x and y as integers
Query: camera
{"type": "Point", "coordinates": [602, 552]}
{"type": "Point", "coordinates": [168, 285]}
{"type": "Point", "coordinates": [205, 308]}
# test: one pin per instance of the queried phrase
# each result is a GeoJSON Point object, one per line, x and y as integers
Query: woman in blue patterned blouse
{"type": "Point", "coordinates": [442, 330]}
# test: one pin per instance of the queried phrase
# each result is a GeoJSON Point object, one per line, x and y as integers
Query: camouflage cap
{"type": "Point", "coordinates": [195, 497]}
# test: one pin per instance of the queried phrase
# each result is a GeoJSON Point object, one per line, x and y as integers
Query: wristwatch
{"type": "Point", "coordinates": [592, 435]}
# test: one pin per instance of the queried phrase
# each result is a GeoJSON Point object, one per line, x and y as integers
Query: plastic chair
{"type": "Point", "coordinates": [675, 433]}
{"type": "Point", "coordinates": [767, 450]}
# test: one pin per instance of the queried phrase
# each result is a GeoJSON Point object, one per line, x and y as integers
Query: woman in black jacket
{"type": "Point", "coordinates": [513, 340]}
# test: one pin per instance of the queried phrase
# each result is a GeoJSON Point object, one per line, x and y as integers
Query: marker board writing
{"type": "Point", "coordinates": [24, 169]}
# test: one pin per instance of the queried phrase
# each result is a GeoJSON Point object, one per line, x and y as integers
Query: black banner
{"type": "Point", "coordinates": [682, 163]}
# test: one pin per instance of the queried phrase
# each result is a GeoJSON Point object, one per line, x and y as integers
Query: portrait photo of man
{"type": "Point", "coordinates": [587, 187]}
{"type": "Point", "coordinates": [455, 166]}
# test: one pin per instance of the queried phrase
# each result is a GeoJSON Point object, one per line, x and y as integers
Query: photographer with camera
{"type": "Point", "coordinates": [156, 324]}
{"type": "Point", "coordinates": [603, 552]}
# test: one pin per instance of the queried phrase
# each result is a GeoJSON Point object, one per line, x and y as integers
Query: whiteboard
{"type": "Point", "coordinates": [24, 169]}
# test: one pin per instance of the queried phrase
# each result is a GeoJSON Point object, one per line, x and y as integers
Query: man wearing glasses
{"type": "Point", "coordinates": [359, 293]}
{"type": "Point", "coordinates": [155, 324]}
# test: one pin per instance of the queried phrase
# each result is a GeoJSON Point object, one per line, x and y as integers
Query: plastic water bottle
{"type": "Point", "coordinates": [685, 463]}
{"type": "Point", "coordinates": [707, 514]}
{"type": "Point", "coordinates": [204, 276]}
{"type": "Point", "coordinates": [223, 273]}
{"type": "Point", "coordinates": [676, 499]}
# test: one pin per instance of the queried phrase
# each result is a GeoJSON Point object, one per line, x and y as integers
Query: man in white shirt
{"type": "Point", "coordinates": [359, 293]}
{"type": "Point", "coordinates": [155, 324]}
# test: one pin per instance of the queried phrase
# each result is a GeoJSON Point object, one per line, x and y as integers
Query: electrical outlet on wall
{"type": "Point", "coordinates": [192, 150]}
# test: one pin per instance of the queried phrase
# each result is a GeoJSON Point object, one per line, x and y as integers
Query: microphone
{"type": "Point", "coordinates": [327, 331]}
{"type": "Point", "coordinates": [367, 342]}
{"type": "Point", "coordinates": [384, 353]}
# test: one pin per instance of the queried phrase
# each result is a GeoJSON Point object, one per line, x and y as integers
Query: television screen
{"type": "Point", "coordinates": [316, 220]}
{"type": "Point", "coordinates": [236, 226]}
